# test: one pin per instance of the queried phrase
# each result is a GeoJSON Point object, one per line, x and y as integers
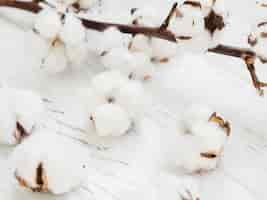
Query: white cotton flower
{"type": "Point", "coordinates": [28, 107]}
{"type": "Point", "coordinates": [72, 32]}
{"type": "Point", "coordinates": [7, 119]}
{"type": "Point", "coordinates": [56, 60]}
{"type": "Point", "coordinates": [203, 135]}
{"type": "Point", "coordinates": [40, 163]}
{"type": "Point", "coordinates": [106, 83]}
{"type": "Point", "coordinates": [114, 103]}
{"type": "Point", "coordinates": [111, 120]}
{"type": "Point", "coordinates": [77, 54]}
{"type": "Point", "coordinates": [48, 24]}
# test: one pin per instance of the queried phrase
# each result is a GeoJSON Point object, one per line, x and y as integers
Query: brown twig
{"type": "Point", "coordinates": [130, 29]}
{"type": "Point", "coordinates": [158, 32]}
{"type": "Point", "coordinates": [166, 22]}
{"type": "Point", "coordinates": [249, 57]}
{"type": "Point", "coordinates": [31, 6]}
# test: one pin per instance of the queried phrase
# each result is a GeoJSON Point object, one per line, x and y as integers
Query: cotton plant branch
{"type": "Point", "coordinates": [247, 55]}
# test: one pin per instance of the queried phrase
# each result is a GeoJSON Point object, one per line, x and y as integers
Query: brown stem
{"type": "Point", "coordinates": [159, 32]}
{"type": "Point", "coordinates": [166, 22]}
{"type": "Point", "coordinates": [248, 56]}
{"type": "Point", "coordinates": [130, 29]}
{"type": "Point", "coordinates": [255, 80]}
{"type": "Point", "coordinates": [232, 51]}
{"type": "Point", "coordinates": [31, 6]}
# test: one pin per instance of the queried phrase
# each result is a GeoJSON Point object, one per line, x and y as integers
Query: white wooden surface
{"type": "Point", "coordinates": [242, 173]}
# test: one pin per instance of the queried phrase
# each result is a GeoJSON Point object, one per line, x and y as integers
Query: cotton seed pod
{"type": "Point", "coordinates": [111, 120]}
{"type": "Point", "coordinates": [41, 165]}
{"type": "Point", "coordinates": [205, 134]}
{"type": "Point", "coordinates": [72, 32]}
{"type": "Point", "coordinates": [56, 60]}
{"type": "Point", "coordinates": [48, 24]}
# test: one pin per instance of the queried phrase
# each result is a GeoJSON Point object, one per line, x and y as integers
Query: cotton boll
{"type": "Point", "coordinates": [72, 32]}
{"type": "Point", "coordinates": [189, 156]}
{"type": "Point", "coordinates": [28, 107]}
{"type": "Point", "coordinates": [213, 137]}
{"type": "Point", "coordinates": [106, 83]}
{"type": "Point", "coordinates": [203, 134]}
{"type": "Point", "coordinates": [40, 163]}
{"type": "Point", "coordinates": [189, 23]}
{"type": "Point", "coordinates": [77, 55]}
{"type": "Point", "coordinates": [48, 24]}
{"type": "Point", "coordinates": [56, 60]}
{"type": "Point", "coordinates": [203, 25]}
{"type": "Point", "coordinates": [111, 120]}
